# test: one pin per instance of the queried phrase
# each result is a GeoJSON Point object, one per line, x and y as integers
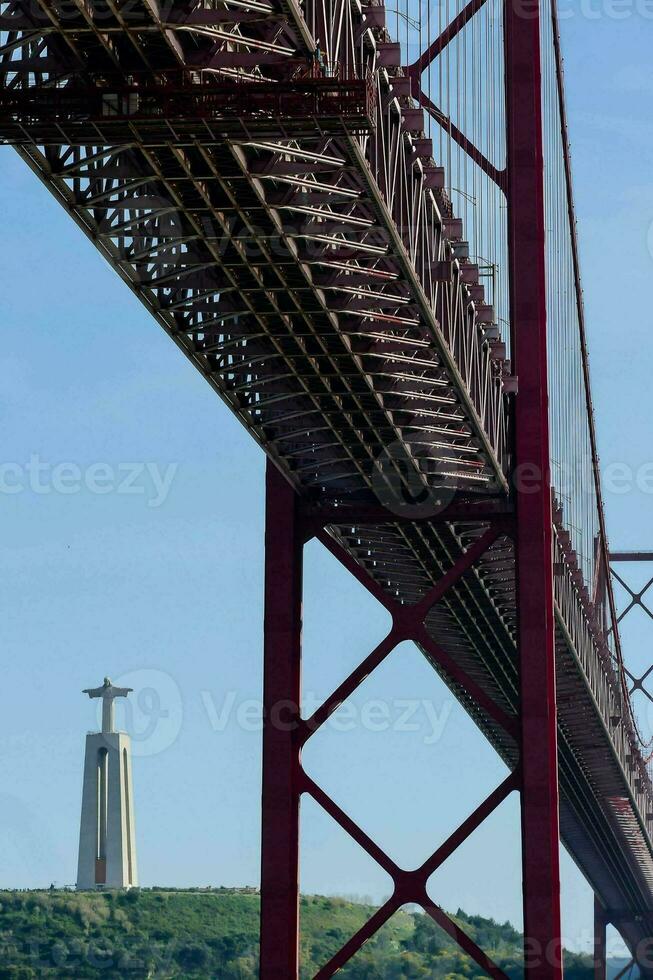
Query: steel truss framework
{"type": "Point", "coordinates": [636, 601]}
{"type": "Point", "coordinates": [289, 528]}
{"type": "Point", "coordinates": [487, 532]}
{"type": "Point", "coordinates": [258, 174]}
{"type": "Point", "coordinates": [307, 277]}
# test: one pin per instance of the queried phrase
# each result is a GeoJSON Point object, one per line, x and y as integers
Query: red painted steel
{"type": "Point", "coordinates": [472, 151]}
{"type": "Point", "coordinates": [600, 938]}
{"type": "Point", "coordinates": [445, 38]}
{"type": "Point", "coordinates": [408, 624]}
{"type": "Point", "coordinates": [526, 236]}
{"type": "Point", "coordinates": [410, 886]}
{"type": "Point", "coordinates": [177, 99]}
{"type": "Point", "coordinates": [465, 943]}
{"type": "Point", "coordinates": [284, 733]}
{"type": "Point", "coordinates": [626, 970]}
{"type": "Point", "coordinates": [246, 340]}
{"type": "Point", "coordinates": [281, 698]}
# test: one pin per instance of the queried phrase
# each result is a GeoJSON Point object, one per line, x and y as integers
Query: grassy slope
{"type": "Point", "coordinates": [215, 935]}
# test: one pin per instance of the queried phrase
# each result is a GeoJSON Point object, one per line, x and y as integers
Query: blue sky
{"type": "Point", "coordinates": [169, 596]}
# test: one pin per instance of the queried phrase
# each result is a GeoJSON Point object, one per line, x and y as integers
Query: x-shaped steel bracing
{"type": "Point", "coordinates": [636, 601]}
{"type": "Point", "coordinates": [408, 623]}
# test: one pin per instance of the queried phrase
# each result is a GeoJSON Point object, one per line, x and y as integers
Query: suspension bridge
{"type": "Point", "coordinates": [358, 223]}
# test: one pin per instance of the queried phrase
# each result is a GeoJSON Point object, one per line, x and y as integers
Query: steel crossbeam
{"type": "Point", "coordinates": [289, 527]}
{"type": "Point", "coordinates": [312, 268]}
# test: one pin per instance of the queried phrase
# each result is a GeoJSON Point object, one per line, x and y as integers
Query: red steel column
{"type": "Point", "coordinates": [281, 697]}
{"type": "Point", "coordinates": [600, 941]}
{"type": "Point", "coordinates": [526, 237]}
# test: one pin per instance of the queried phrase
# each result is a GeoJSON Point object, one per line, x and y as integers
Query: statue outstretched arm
{"type": "Point", "coordinates": [121, 692]}
{"type": "Point", "coordinates": [107, 691]}
{"type": "Point", "coordinates": [94, 692]}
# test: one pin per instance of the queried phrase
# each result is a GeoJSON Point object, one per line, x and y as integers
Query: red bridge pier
{"type": "Point", "coordinates": [286, 531]}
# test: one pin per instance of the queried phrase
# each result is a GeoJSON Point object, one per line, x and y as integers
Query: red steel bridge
{"type": "Point", "coordinates": [357, 222]}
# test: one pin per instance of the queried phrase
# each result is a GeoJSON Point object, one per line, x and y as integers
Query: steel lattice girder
{"type": "Point", "coordinates": [393, 360]}
{"type": "Point", "coordinates": [318, 280]}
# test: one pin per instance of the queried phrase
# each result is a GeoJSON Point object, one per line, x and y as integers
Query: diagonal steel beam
{"type": "Point", "coordinates": [464, 941]}
{"type": "Point", "coordinates": [472, 823]}
{"type": "Point", "coordinates": [462, 678]}
{"type": "Point", "coordinates": [409, 886]}
{"type": "Point", "coordinates": [348, 686]}
{"type": "Point", "coordinates": [349, 826]}
{"type": "Point", "coordinates": [445, 38]}
{"type": "Point", "coordinates": [464, 563]}
{"type": "Point", "coordinates": [408, 624]}
{"type": "Point", "coordinates": [358, 940]}
{"type": "Point", "coordinates": [499, 177]}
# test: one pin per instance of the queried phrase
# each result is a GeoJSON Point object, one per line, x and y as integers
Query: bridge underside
{"type": "Point", "coordinates": [346, 437]}
{"type": "Point", "coordinates": [289, 229]}
{"type": "Point", "coordinates": [475, 625]}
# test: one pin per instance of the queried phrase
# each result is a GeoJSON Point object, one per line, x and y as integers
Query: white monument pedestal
{"type": "Point", "coordinates": [107, 842]}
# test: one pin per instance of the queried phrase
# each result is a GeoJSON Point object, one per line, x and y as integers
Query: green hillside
{"type": "Point", "coordinates": [214, 934]}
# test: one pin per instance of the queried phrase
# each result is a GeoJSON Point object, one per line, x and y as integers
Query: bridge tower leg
{"type": "Point", "coordinates": [282, 775]}
{"type": "Point", "coordinates": [281, 699]}
{"type": "Point", "coordinates": [526, 239]}
{"type": "Point", "coordinates": [600, 941]}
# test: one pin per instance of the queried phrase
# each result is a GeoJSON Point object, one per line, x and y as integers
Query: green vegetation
{"type": "Point", "coordinates": [214, 934]}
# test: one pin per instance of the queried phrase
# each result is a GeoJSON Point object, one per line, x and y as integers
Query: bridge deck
{"type": "Point", "coordinates": [305, 257]}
